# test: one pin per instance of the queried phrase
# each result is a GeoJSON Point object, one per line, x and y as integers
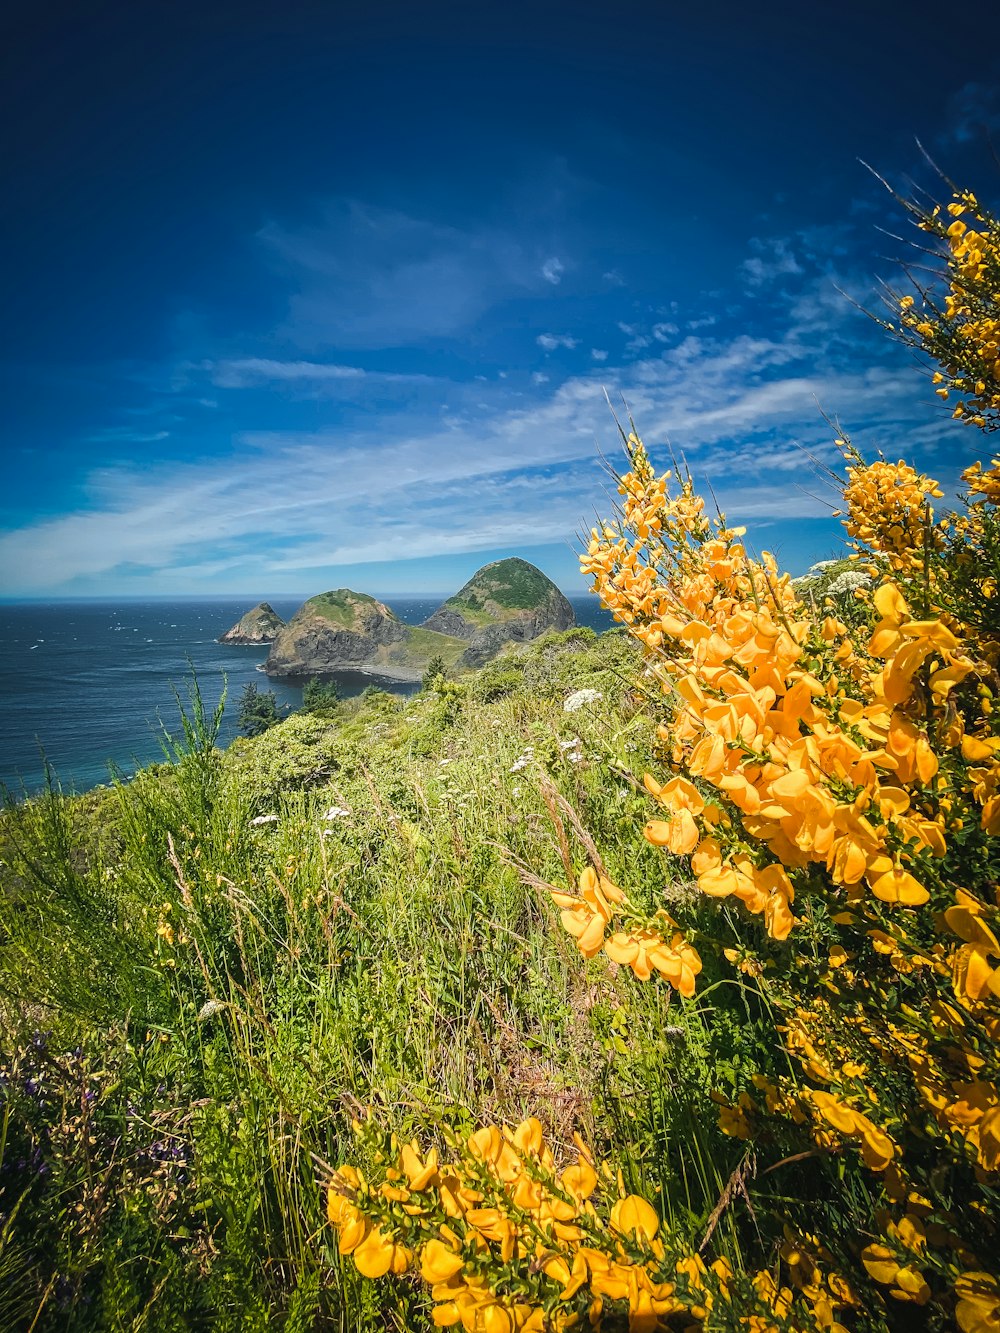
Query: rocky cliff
{"type": "Point", "coordinates": [508, 600]}
{"type": "Point", "coordinates": [261, 625]}
{"type": "Point", "coordinates": [350, 631]}
{"type": "Point", "coordinates": [505, 601]}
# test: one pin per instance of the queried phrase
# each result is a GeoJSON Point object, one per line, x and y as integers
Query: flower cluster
{"type": "Point", "coordinates": [858, 771]}
{"type": "Point", "coordinates": [888, 510]}
{"type": "Point", "coordinates": [644, 944]}
{"type": "Point", "coordinates": [506, 1240]}
{"type": "Point", "coordinates": [960, 329]}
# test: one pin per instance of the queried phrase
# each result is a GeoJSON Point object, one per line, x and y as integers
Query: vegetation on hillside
{"type": "Point", "coordinates": [644, 982]}
{"type": "Point", "coordinates": [257, 710]}
{"type": "Point", "coordinates": [340, 606]}
{"type": "Point", "coordinates": [513, 584]}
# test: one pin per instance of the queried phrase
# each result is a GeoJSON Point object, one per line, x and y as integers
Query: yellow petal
{"type": "Point", "coordinates": [580, 1180]}
{"type": "Point", "coordinates": [889, 603]}
{"type": "Point", "coordinates": [374, 1255]}
{"type": "Point", "coordinates": [633, 1213]}
{"type": "Point", "coordinates": [899, 886]}
{"type": "Point", "coordinates": [968, 925]}
{"type": "Point", "coordinates": [621, 948]}
{"type": "Point", "coordinates": [438, 1263]}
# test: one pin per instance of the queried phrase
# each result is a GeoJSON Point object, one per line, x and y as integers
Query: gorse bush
{"type": "Point", "coordinates": [834, 789]}
{"type": "Point", "coordinates": [956, 321]}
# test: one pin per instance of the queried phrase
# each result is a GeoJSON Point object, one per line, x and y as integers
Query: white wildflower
{"type": "Point", "coordinates": [209, 1009]}
{"type": "Point", "coordinates": [820, 565]}
{"type": "Point", "coordinates": [336, 812]}
{"type": "Point", "coordinates": [264, 819]}
{"type": "Point", "coordinates": [579, 699]}
{"type": "Point", "coordinates": [850, 580]}
{"type": "Point", "coordinates": [570, 745]}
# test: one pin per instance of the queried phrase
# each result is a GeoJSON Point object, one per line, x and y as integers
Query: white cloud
{"type": "Point", "coordinates": [539, 378]}
{"type": "Point", "coordinates": [253, 370]}
{"type": "Point", "coordinates": [288, 506]}
{"type": "Point", "coordinates": [550, 341]}
{"type": "Point", "coordinates": [363, 276]}
{"type": "Point", "coordinates": [637, 340]}
{"type": "Point", "coordinates": [552, 271]}
{"type": "Point", "coordinates": [598, 354]}
{"type": "Point", "coordinates": [772, 258]}
{"type": "Point", "coordinates": [259, 372]}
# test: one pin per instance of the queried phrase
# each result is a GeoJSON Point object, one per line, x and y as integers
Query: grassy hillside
{"type": "Point", "coordinates": [421, 645]}
{"type": "Point", "coordinates": [340, 606]}
{"type": "Point", "coordinates": [206, 973]}
{"type": "Point", "coordinates": [513, 584]}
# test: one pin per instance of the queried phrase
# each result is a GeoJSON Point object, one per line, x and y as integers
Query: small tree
{"type": "Point", "coordinates": [257, 710]}
{"type": "Point", "coordinates": [435, 668]}
{"type": "Point", "coordinates": [320, 696]}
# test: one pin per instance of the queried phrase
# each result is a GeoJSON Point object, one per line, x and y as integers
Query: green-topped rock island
{"type": "Point", "coordinates": [506, 601]}
{"type": "Point", "coordinates": [259, 626]}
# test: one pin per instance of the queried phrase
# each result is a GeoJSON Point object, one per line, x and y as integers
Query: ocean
{"type": "Point", "coordinates": [90, 684]}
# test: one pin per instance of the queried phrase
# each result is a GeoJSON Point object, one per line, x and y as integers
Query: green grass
{"type": "Point", "coordinates": [420, 645]}
{"type": "Point", "coordinates": [339, 606]}
{"type": "Point", "coordinates": [194, 1006]}
{"type": "Point", "coordinates": [513, 584]}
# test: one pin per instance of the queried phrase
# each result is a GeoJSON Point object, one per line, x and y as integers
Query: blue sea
{"type": "Point", "coordinates": [91, 684]}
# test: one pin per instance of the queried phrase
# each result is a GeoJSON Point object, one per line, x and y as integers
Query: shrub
{"type": "Point", "coordinates": [320, 696]}
{"type": "Point", "coordinates": [256, 710]}
{"type": "Point", "coordinates": [834, 789]}
{"type": "Point", "coordinates": [435, 668]}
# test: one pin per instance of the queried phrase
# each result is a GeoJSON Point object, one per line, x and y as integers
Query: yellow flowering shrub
{"type": "Point", "coordinates": [958, 324]}
{"type": "Point", "coordinates": [505, 1240]}
{"type": "Point", "coordinates": [835, 791]}
{"type": "Point", "coordinates": [843, 788]}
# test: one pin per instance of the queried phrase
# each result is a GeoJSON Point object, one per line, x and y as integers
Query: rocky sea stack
{"type": "Point", "coordinates": [350, 631]}
{"type": "Point", "coordinates": [261, 625]}
{"type": "Point", "coordinates": [506, 601]}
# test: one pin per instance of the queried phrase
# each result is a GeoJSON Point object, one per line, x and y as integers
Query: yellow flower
{"type": "Point", "coordinates": [634, 1215]}
{"type": "Point", "coordinates": [978, 1308]}
{"type": "Point", "coordinates": [439, 1263]}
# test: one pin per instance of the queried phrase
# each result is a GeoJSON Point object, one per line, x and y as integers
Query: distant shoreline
{"type": "Point", "coordinates": [401, 675]}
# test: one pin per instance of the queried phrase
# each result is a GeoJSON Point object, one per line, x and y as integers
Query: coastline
{"type": "Point", "coordinates": [399, 675]}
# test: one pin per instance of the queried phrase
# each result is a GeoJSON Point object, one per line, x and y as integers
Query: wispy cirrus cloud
{"type": "Point", "coordinates": [254, 372]}
{"type": "Point", "coordinates": [772, 258]}
{"type": "Point", "coordinates": [290, 506]}
{"type": "Point", "coordinates": [973, 114]}
{"type": "Point", "coordinates": [369, 277]}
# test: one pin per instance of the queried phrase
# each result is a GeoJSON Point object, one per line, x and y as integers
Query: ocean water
{"type": "Point", "coordinates": [89, 684]}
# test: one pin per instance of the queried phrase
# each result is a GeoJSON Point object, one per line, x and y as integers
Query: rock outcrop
{"type": "Point", "coordinates": [261, 625]}
{"type": "Point", "coordinates": [350, 631]}
{"type": "Point", "coordinates": [505, 601]}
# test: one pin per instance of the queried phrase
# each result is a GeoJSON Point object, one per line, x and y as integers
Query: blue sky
{"type": "Point", "coordinates": [310, 294]}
